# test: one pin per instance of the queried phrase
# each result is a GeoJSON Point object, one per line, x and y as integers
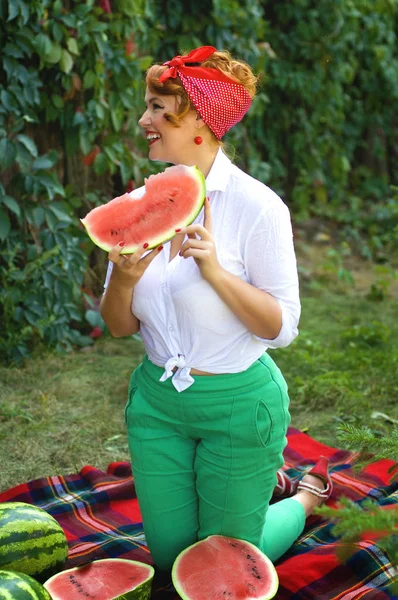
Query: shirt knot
{"type": "Point", "coordinates": [182, 378]}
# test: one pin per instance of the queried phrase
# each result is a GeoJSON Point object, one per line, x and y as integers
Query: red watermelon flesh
{"type": "Point", "coordinates": [172, 200]}
{"type": "Point", "coordinates": [107, 579]}
{"type": "Point", "coordinates": [224, 568]}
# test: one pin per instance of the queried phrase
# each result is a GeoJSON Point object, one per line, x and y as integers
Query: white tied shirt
{"type": "Point", "coordinates": [183, 321]}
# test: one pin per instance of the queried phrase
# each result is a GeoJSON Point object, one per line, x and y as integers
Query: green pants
{"type": "Point", "coordinates": [204, 460]}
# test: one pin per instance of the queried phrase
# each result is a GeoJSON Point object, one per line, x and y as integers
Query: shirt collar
{"type": "Point", "coordinates": [218, 176]}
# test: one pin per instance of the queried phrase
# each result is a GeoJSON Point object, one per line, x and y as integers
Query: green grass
{"type": "Point", "coordinates": [60, 412]}
{"type": "Point", "coordinates": [343, 366]}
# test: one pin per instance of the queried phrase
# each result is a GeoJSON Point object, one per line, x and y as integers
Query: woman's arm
{"type": "Point", "coordinates": [115, 308]}
{"type": "Point", "coordinates": [116, 303]}
{"type": "Point", "coordinates": [259, 311]}
{"type": "Point", "coordinates": [269, 305]}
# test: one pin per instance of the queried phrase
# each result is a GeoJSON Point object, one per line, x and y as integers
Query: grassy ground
{"type": "Point", "coordinates": [58, 413]}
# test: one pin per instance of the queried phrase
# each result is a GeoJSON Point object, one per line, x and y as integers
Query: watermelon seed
{"type": "Point", "coordinates": [171, 199]}
{"type": "Point", "coordinates": [255, 573]}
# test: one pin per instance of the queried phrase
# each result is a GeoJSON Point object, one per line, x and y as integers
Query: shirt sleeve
{"type": "Point", "coordinates": [108, 274]}
{"type": "Point", "coordinates": [271, 266]}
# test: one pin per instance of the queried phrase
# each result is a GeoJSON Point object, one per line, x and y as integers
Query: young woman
{"type": "Point", "coordinates": [208, 409]}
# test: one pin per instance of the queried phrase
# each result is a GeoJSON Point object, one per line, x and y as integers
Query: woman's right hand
{"type": "Point", "coordinates": [129, 268]}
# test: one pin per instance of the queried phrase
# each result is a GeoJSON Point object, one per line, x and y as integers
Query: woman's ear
{"type": "Point", "coordinates": [199, 123]}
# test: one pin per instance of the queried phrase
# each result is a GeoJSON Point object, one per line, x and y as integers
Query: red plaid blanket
{"type": "Point", "coordinates": [101, 518]}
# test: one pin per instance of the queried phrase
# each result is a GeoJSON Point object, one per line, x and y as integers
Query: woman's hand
{"type": "Point", "coordinates": [129, 268]}
{"type": "Point", "coordinates": [202, 248]}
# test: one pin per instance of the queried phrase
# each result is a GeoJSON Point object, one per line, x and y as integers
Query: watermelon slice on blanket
{"type": "Point", "coordinates": [172, 200]}
{"type": "Point", "coordinates": [106, 579]}
{"type": "Point", "coordinates": [223, 567]}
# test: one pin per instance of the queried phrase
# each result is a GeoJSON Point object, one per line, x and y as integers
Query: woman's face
{"type": "Point", "coordinates": [166, 142]}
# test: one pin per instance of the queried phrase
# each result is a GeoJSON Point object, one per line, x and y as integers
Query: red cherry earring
{"type": "Point", "coordinates": [198, 140]}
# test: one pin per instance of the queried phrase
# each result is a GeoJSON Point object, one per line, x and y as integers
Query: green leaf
{"type": "Point", "coordinates": [12, 205]}
{"type": "Point", "coordinates": [55, 54]}
{"type": "Point", "coordinates": [78, 119]}
{"type": "Point", "coordinates": [117, 119]}
{"type": "Point", "coordinates": [60, 213]}
{"type": "Point", "coordinates": [125, 171]}
{"type": "Point", "coordinates": [13, 9]}
{"type": "Point", "coordinates": [28, 143]}
{"type": "Point", "coordinates": [57, 32]}
{"type": "Point", "coordinates": [100, 164]}
{"type": "Point", "coordinates": [51, 220]}
{"type": "Point", "coordinates": [94, 318]}
{"type": "Point", "coordinates": [7, 100]}
{"type": "Point", "coordinates": [5, 225]}
{"type": "Point", "coordinates": [100, 112]}
{"type": "Point", "coordinates": [72, 46]}
{"type": "Point", "coordinates": [144, 62]}
{"type": "Point", "coordinates": [43, 162]}
{"type": "Point", "coordinates": [7, 153]}
{"type": "Point", "coordinates": [52, 185]}
{"type": "Point", "coordinates": [70, 20]}
{"type": "Point", "coordinates": [66, 62]}
{"type": "Point", "coordinates": [89, 79]}
{"type": "Point", "coordinates": [85, 143]}
{"type": "Point", "coordinates": [12, 50]}
{"type": "Point", "coordinates": [37, 216]}
{"type": "Point", "coordinates": [24, 10]}
{"type": "Point", "coordinates": [43, 44]}
{"type": "Point", "coordinates": [57, 101]}
{"type": "Point", "coordinates": [58, 7]}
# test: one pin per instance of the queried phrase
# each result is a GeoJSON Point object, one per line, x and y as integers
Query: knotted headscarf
{"type": "Point", "coordinates": [220, 101]}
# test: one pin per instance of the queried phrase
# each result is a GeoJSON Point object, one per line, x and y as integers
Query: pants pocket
{"type": "Point", "coordinates": [131, 393]}
{"type": "Point", "coordinates": [263, 423]}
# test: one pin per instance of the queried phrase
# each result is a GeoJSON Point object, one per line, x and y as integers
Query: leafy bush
{"type": "Point", "coordinates": [69, 81]}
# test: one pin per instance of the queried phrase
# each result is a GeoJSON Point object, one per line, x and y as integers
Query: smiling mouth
{"type": "Point", "coordinates": [152, 138]}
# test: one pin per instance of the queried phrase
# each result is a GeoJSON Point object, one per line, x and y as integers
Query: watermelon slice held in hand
{"type": "Point", "coordinates": [172, 200]}
{"type": "Point", "coordinates": [223, 567]}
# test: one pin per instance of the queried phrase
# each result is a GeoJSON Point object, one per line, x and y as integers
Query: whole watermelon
{"type": "Point", "coordinates": [19, 586]}
{"type": "Point", "coordinates": [31, 541]}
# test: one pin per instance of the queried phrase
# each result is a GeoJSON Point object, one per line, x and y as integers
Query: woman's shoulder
{"type": "Point", "coordinates": [253, 194]}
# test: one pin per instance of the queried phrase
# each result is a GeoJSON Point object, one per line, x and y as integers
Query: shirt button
{"type": "Point", "coordinates": [171, 328]}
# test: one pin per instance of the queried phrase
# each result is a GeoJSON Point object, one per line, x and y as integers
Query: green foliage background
{"type": "Point", "coordinates": [322, 130]}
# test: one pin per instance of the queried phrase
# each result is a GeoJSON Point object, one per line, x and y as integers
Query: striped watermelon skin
{"type": "Point", "coordinates": [18, 586]}
{"type": "Point", "coordinates": [31, 541]}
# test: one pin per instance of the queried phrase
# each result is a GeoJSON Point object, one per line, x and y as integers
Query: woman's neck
{"type": "Point", "coordinates": [203, 158]}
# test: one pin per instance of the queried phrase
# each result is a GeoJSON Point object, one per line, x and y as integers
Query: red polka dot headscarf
{"type": "Point", "coordinates": [220, 101]}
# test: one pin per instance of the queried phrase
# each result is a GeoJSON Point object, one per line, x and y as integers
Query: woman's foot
{"type": "Point", "coordinates": [315, 487]}
{"type": "Point", "coordinates": [285, 486]}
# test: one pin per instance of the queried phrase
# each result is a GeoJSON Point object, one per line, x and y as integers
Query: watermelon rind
{"type": "Point", "coordinates": [178, 585]}
{"type": "Point", "coordinates": [167, 235]}
{"type": "Point", "coordinates": [19, 586]}
{"type": "Point", "coordinates": [142, 591]}
{"type": "Point", "coordinates": [31, 541]}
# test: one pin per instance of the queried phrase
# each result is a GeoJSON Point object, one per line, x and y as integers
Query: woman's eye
{"type": "Point", "coordinates": [155, 106]}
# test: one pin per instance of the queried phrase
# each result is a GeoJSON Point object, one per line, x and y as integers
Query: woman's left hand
{"type": "Point", "coordinates": [201, 246]}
